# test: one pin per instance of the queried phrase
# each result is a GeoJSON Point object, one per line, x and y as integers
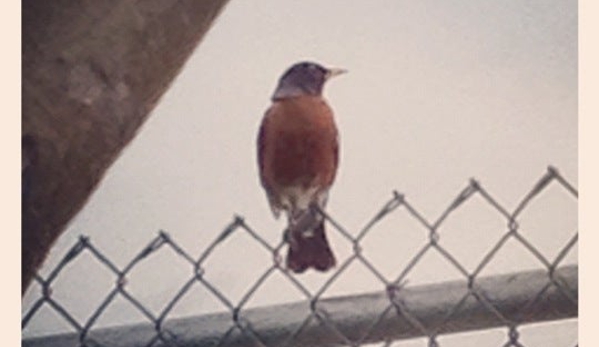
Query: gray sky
{"type": "Point", "coordinates": [437, 93]}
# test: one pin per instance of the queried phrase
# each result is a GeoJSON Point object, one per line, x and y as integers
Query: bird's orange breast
{"type": "Point", "coordinates": [298, 144]}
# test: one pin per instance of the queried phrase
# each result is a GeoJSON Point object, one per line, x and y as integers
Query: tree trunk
{"type": "Point", "coordinates": [91, 73]}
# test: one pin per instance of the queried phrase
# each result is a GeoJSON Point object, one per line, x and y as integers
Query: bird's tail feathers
{"type": "Point", "coordinates": [308, 244]}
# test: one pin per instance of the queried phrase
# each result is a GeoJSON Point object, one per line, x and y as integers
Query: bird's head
{"type": "Point", "coordinates": [305, 78]}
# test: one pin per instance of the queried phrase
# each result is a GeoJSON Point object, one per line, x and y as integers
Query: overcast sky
{"type": "Point", "coordinates": [437, 92]}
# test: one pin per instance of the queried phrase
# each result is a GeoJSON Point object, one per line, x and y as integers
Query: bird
{"type": "Point", "coordinates": [298, 155]}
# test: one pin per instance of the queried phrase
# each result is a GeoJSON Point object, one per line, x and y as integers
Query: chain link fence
{"type": "Point", "coordinates": [397, 312]}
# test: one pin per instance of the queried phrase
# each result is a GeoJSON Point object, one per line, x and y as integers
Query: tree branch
{"type": "Point", "coordinates": [91, 73]}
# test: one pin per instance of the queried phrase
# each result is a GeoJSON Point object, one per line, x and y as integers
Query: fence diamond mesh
{"type": "Point", "coordinates": [398, 311]}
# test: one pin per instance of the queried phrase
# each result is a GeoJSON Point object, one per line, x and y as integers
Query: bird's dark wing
{"type": "Point", "coordinates": [262, 142]}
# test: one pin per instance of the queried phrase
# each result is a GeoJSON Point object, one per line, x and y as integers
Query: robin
{"type": "Point", "coordinates": [298, 153]}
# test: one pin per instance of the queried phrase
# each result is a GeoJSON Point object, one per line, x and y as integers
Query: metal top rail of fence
{"type": "Point", "coordinates": [396, 312]}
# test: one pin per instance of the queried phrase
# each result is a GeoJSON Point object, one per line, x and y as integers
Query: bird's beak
{"type": "Point", "coordinates": [332, 72]}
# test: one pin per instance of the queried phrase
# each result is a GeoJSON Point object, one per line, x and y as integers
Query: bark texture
{"type": "Point", "coordinates": [91, 73]}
